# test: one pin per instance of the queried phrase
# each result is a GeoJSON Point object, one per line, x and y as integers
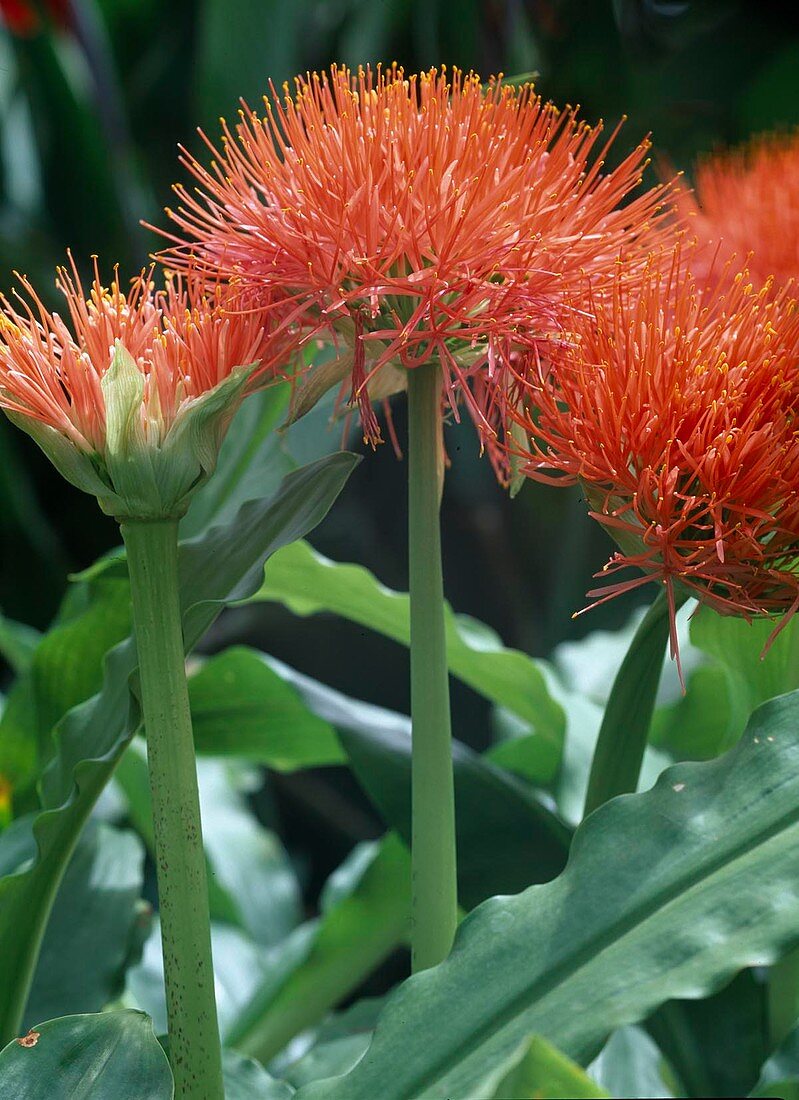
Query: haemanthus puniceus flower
{"type": "Point", "coordinates": [420, 217]}
{"type": "Point", "coordinates": [748, 199]}
{"type": "Point", "coordinates": [676, 409]}
{"type": "Point", "coordinates": [130, 397]}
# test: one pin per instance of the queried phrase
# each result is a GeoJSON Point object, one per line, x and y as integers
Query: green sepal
{"type": "Point", "coordinates": [138, 476]}
{"type": "Point", "coordinates": [78, 467]}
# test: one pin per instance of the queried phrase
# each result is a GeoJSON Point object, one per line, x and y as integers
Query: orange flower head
{"type": "Point", "coordinates": [419, 217]}
{"type": "Point", "coordinates": [676, 411]}
{"type": "Point", "coordinates": [129, 378]}
{"type": "Point", "coordinates": [748, 199]}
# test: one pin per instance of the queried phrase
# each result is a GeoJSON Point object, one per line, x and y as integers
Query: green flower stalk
{"type": "Point", "coordinates": [131, 404]}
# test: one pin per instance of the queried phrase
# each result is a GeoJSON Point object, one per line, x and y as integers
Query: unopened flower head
{"type": "Point", "coordinates": [130, 394]}
{"type": "Point", "coordinates": [676, 411]}
{"type": "Point", "coordinates": [748, 199]}
{"type": "Point", "coordinates": [421, 217]}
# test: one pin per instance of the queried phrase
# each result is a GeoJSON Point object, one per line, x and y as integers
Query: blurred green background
{"type": "Point", "coordinates": [96, 94]}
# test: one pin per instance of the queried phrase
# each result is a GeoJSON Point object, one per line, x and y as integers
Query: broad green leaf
{"type": "Point", "coordinates": [707, 888]}
{"type": "Point", "coordinates": [108, 1056]}
{"type": "Point", "coordinates": [240, 707]}
{"type": "Point", "coordinates": [91, 928]}
{"type": "Point", "coordinates": [245, 1079]}
{"type": "Point", "coordinates": [366, 917]}
{"type": "Point", "coordinates": [539, 1069]}
{"type": "Point", "coordinates": [223, 566]}
{"type": "Point", "coordinates": [780, 1074]}
{"type": "Point", "coordinates": [306, 582]}
{"type": "Point", "coordinates": [506, 837]}
{"type": "Point", "coordinates": [630, 1064]}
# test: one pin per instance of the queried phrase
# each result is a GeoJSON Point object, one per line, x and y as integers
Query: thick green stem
{"type": "Point", "coordinates": [194, 1048]}
{"type": "Point", "coordinates": [622, 739]}
{"type": "Point", "coordinates": [435, 902]}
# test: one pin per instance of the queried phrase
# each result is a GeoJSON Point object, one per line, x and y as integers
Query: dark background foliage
{"type": "Point", "coordinates": [96, 94]}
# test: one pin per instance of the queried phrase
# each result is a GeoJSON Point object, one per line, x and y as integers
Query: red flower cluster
{"type": "Point", "coordinates": [748, 199]}
{"type": "Point", "coordinates": [185, 340]}
{"type": "Point", "coordinates": [416, 217]}
{"type": "Point", "coordinates": [676, 409]}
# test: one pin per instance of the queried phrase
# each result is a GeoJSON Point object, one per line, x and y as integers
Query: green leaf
{"type": "Point", "coordinates": [519, 752]}
{"type": "Point", "coordinates": [247, 861]}
{"type": "Point", "coordinates": [738, 647]}
{"type": "Point", "coordinates": [780, 1074]}
{"type": "Point", "coordinates": [91, 928]}
{"type": "Point", "coordinates": [18, 643]}
{"type": "Point", "coordinates": [540, 1069]}
{"type": "Point", "coordinates": [736, 677]}
{"type": "Point", "coordinates": [718, 1044]}
{"type": "Point", "coordinates": [306, 582]}
{"type": "Point", "coordinates": [630, 1065]}
{"type": "Point", "coordinates": [110, 1056]}
{"type": "Point", "coordinates": [241, 707]}
{"type": "Point", "coordinates": [707, 888]}
{"type": "Point", "coordinates": [366, 916]}
{"type": "Point", "coordinates": [65, 669]}
{"type": "Point", "coordinates": [245, 1079]}
{"type": "Point", "coordinates": [624, 732]}
{"type": "Point", "coordinates": [224, 566]}
{"type": "Point", "coordinates": [339, 1042]}
{"type": "Point", "coordinates": [251, 462]}
{"type": "Point", "coordinates": [506, 837]}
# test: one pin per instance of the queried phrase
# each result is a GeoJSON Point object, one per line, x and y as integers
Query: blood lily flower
{"type": "Point", "coordinates": [131, 398]}
{"type": "Point", "coordinates": [748, 198]}
{"type": "Point", "coordinates": [432, 226]}
{"type": "Point", "coordinates": [675, 410]}
{"type": "Point", "coordinates": [427, 217]}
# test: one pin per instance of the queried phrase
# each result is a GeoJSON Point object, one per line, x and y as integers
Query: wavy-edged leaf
{"type": "Point", "coordinates": [307, 583]}
{"type": "Point", "coordinates": [708, 887]}
{"type": "Point", "coordinates": [223, 566]}
{"type": "Point", "coordinates": [107, 1056]}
